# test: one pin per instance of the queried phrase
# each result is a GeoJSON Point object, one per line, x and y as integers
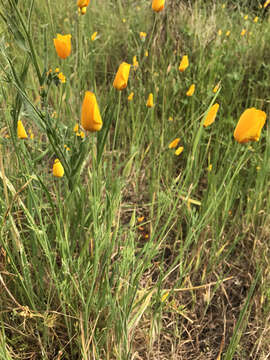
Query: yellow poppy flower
{"type": "Point", "coordinates": [184, 63]}
{"type": "Point", "coordinates": [80, 134]}
{"type": "Point", "coordinates": [93, 36]}
{"type": "Point", "coordinates": [31, 134]}
{"type": "Point", "coordinates": [21, 133]}
{"type": "Point", "coordinates": [266, 3]}
{"type": "Point", "coordinates": [174, 143]}
{"type": "Point", "coordinates": [228, 33]}
{"type": "Point", "coordinates": [121, 77]}
{"type": "Point", "coordinates": [82, 3]}
{"type": "Point", "coordinates": [83, 10]}
{"type": "Point", "coordinates": [58, 169]}
{"type": "Point", "coordinates": [219, 32]}
{"type": "Point", "coordinates": [130, 96]}
{"type": "Point", "coordinates": [135, 63]}
{"type": "Point", "coordinates": [62, 77]}
{"type": "Point", "coordinates": [158, 5]}
{"type": "Point", "coordinates": [249, 125]}
{"type": "Point", "coordinates": [150, 101]}
{"type": "Point", "coordinates": [90, 115]}
{"type": "Point", "coordinates": [142, 35]}
{"type": "Point", "coordinates": [62, 45]}
{"type": "Point", "coordinates": [256, 19]}
{"type": "Point", "coordinates": [76, 128]}
{"type": "Point", "coordinates": [243, 32]}
{"type": "Point", "coordinates": [216, 88]}
{"type": "Point", "coordinates": [191, 90]}
{"type": "Point", "coordinates": [211, 116]}
{"type": "Point", "coordinates": [179, 150]}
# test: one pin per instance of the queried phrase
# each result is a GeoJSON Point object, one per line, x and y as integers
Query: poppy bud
{"type": "Point", "coordinates": [184, 63]}
{"type": "Point", "coordinates": [21, 130]}
{"type": "Point", "coordinates": [121, 77]}
{"type": "Point", "coordinates": [249, 125]}
{"type": "Point", "coordinates": [90, 115]}
{"type": "Point", "coordinates": [58, 169]}
{"type": "Point", "coordinates": [150, 101]}
{"type": "Point", "coordinates": [158, 5]}
{"type": "Point", "coordinates": [82, 3]}
{"type": "Point", "coordinates": [211, 116]}
{"type": "Point", "coordinates": [62, 45]}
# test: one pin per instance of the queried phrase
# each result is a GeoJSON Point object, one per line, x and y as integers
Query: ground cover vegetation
{"type": "Point", "coordinates": [134, 179]}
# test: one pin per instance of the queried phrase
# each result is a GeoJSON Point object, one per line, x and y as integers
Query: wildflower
{"type": "Point", "coordinates": [31, 134]}
{"type": "Point", "coordinates": [22, 134]}
{"type": "Point", "coordinates": [179, 150]}
{"type": "Point", "coordinates": [228, 33]}
{"type": "Point", "coordinates": [170, 118]}
{"type": "Point", "coordinates": [56, 70]}
{"type": "Point", "coordinates": [219, 32]}
{"type": "Point", "coordinates": [82, 3]}
{"type": "Point", "coordinates": [211, 116]}
{"type": "Point", "coordinates": [121, 77]}
{"type": "Point", "coordinates": [266, 3]}
{"type": "Point", "coordinates": [66, 147]}
{"type": "Point", "coordinates": [216, 88]}
{"type": "Point", "coordinates": [164, 297]}
{"type": "Point", "coordinates": [158, 5]}
{"type": "Point", "coordinates": [135, 63]}
{"type": "Point", "coordinates": [143, 35]}
{"type": "Point", "coordinates": [256, 19]}
{"type": "Point", "coordinates": [150, 101]}
{"type": "Point", "coordinates": [245, 17]}
{"type": "Point", "coordinates": [209, 168]}
{"type": "Point", "coordinates": [93, 36]}
{"type": "Point", "coordinates": [63, 45]}
{"type": "Point", "coordinates": [130, 96]}
{"type": "Point", "coordinates": [58, 169]}
{"type": "Point", "coordinates": [249, 125]}
{"type": "Point", "coordinates": [140, 218]}
{"type": "Point", "coordinates": [258, 168]}
{"type": "Point", "coordinates": [146, 53]}
{"type": "Point", "coordinates": [90, 115]}
{"type": "Point", "coordinates": [184, 63]}
{"type": "Point", "coordinates": [62, 77]}
{"type": "Point", "coordinates": [76, 128]}
{"type": "Point", "coordinates": [80, 134]}
{"type": "Point", "coordinates": [191, 90]}
{"type": "Point", "coordinates": [223, 6]}
{"type": "Point", "coordinates": [174, 143]}
{"type": "Point", "coordinates": [82, 10]}
{"type": "Point", "coordinates": [243, 32]}
{"type": "Point", "coordinates": [124, 20]}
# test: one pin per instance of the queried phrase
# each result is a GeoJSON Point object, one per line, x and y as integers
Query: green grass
{"type": "Point", "coordinates": [135, 253]}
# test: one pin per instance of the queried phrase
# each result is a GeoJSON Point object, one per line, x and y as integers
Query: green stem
{"type": "Point", "coordinates": [117, 120]}
{"type": "Point", "coordinates": [30, 43]}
